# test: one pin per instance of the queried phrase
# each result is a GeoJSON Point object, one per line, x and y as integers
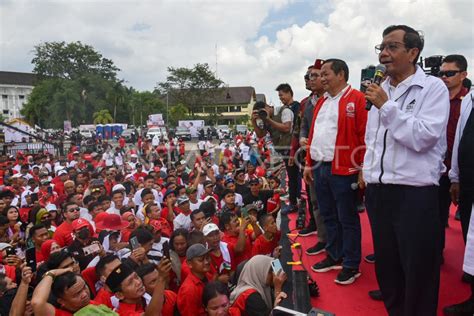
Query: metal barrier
{"type": "Point", "coordinates": [30, 148]}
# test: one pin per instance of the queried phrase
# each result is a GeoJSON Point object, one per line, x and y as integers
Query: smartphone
{"type": "Point", "coordinates": [166, 250]}
{"type": "Point", "coordinates": [50, 190]}
{"type": "Point", "coordinates": [10, 251]}
{"type": "Point", "coordinates": [134, 244]}
{"type": "Point", "coordinates": [30, 257]}
{"type": "Point", "coordinates": [276, 266]}
{"type": "Point", "coordinates": [91, 249]}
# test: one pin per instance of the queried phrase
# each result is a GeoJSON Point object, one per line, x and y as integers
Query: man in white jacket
{"type": "Point", "coordinates": [406, 142]}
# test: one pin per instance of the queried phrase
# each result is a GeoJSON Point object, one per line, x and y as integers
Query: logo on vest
{"type": "Point", "coordinates": [410, 106]}
{"type": "Point", "coordinates": [350, 109]}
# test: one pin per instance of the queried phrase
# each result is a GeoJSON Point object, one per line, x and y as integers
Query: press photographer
{"type": "Point", "coordinates": [280, 127]}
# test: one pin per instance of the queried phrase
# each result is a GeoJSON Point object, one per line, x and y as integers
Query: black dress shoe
{"type": "Point", "coordinates": [465, 308]}
{"type": "Point", "coordinates": [376, 295]}
{"type": "Point", "coordinates": [466, 278]}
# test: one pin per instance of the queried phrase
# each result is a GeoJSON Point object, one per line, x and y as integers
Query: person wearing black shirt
{"type": "Point", "coordinates": [258, 197]}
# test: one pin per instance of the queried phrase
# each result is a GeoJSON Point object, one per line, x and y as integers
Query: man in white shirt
{"type": "Point", "coordinates": [334, 157]}
{"type": "Point", "coordinates": [406, 143]}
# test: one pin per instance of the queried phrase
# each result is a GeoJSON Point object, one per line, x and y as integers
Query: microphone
{"type": "Point", "coordinates": [378, 77]}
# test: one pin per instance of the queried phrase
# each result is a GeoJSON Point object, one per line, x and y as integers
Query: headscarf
{"type": "Point", "coordinates": [40, 214]}
{"type": "Point", "coordinates": [254, 276]}
{"type": "Point", "coordinates": [46, 248]}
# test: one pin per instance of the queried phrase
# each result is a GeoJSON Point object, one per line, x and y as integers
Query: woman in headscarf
{"type": "Point", "coordinates": [258, 289]}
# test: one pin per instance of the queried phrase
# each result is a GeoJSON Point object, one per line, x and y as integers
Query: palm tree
{"type": "Point", "coordinates": [102, 117]}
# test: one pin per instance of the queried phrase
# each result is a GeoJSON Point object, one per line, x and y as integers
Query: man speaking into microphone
{"type": "Point", "coordinates": [406, 142]}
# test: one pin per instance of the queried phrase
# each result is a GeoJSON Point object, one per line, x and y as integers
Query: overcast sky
{"type": "Point", "coordinates": [258, 43]}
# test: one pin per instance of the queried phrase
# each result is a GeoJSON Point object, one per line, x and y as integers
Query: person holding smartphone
{"type": "Point", "coordinates": [259, 288]}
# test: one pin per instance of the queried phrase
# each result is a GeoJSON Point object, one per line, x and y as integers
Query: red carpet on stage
{"type": "Point", "coordinates": [353, 300]}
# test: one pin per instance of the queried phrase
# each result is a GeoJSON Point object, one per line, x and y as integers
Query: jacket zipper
{"type": "Point", "coordinates": [383, 154]}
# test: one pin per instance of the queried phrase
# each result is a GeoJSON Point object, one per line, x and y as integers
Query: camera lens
{"type": "Point", "coordinates": [262, 114]}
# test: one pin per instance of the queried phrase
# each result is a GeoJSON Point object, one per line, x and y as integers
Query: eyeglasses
{"type": "Point", "coordinates": [448, 73]}
{"type": "Point", "coordinates": [72, 210]}
{"type": "Point", "coordinates": [391, 47]}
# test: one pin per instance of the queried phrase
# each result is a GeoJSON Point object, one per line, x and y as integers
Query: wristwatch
{"type": "Point", "coordinates": [49, 273]}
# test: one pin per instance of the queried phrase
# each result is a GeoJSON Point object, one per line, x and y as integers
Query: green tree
{"type": "Point", "coordinates": [103, 117]}
{"type": "Point", "coordinates": [143, 104]}
{"type": "Point", "coordinates": [190, 86]}
{"type": "Point", "coordinates": [71, 61]}
{"type": "Point", "coordinates": [176, 113]}
{"type": "Point", "coordinates": [75, 81]}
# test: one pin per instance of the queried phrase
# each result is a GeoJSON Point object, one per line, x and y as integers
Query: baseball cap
{"type": "Point", "coordinates": [118, 187]}
{"type": "Point", "coordinates": [168, 192]}
{"type": "Point", "coordinates": [229, 180]}
{"type": "Point", "coordinates": [79, 223]}
{"type": "Point", "coordinates": [196, 250]}
{"type": "Point", "coordinates": [209, 228]}
{"type": "Point", "coordinates": [62, 172]}
{"type": "Point", "coordinates": [249, 207]}
{"type": "Point", "coordinates": [207, 183]}
{"type": "Point", "coordinates": [190, 190]}
{"type": "Point", "coordinates": [51, 207]}
{"type": "Point", "coordinates": [44, 181]}
{"type": "Point", "coordinates": [182, 199]}
{"type": "Point", "coordinates": [133, 156]}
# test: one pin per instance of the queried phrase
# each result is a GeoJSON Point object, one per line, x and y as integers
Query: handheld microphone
{"type": "Point", "coordinates": [378, 77]}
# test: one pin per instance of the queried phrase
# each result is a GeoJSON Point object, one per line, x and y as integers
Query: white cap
{"type": "Point", "coordinates": [61, 172]}
{"type": "Point", "coordinates": [133, 156]}
{"type": "Point", "coordinates": [209, 228]}
{"type": "Point", "coordinates": [4, 245]}
{"type": "Point", "coordinates": [51, 207]}
{"type": "Point", "coordinates": [118, 187]}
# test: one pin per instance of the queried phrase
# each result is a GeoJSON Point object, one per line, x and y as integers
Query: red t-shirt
{"type": "Point", "coordinates": [190, 297]}
{"type": "Point", "coordinates": [232, 240]}
{"type": "Point", "coordinates": [169, 304]}
{"type": "Point", "coordinates": [262, 246]}
{"type": "Point", "coordinates": [63, 234]}
{"type": "Point", "coordinates": [216, 262]}
{"type": "Point", "coordinates": [241, 301]}
{"type": "Point", "coordinates": [103, 297]}
{"type": "Point", "coordinates": [125, 309]}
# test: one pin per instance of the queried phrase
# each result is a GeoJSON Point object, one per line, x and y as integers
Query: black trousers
{"type": "Point", "coordinates": [405, 228]}
{"type": "Point", "coordinates": [444, 204]}
{"type": "Point", "coordinates": [465, 209]}
{"type": "Point", "coordinates": [294, 181]}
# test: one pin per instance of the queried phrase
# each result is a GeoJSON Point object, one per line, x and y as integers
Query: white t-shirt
{"type": "Point", "coordinates": [323, 143]}
{"type": "Point", "coordinates": [195, 206]}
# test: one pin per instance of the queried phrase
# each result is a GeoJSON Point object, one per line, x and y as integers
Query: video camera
{"type": "Point", "coordinates": [432, 64]}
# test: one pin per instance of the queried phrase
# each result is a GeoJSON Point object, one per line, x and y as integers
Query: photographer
{"type": "Point", "coordinates": [280, 127]}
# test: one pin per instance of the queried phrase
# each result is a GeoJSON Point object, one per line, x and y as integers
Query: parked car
{"type": "Point", "coordinates": [127, 134]}
{"type": "Point", "coordinates": [154, 131]}
{"type": "Point", "coordinates": [86, 133]}
{"type": "Point", "coordinates": [183, 132]}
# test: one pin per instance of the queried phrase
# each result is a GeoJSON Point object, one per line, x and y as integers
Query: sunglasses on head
{"type": "Point", "coordinates": [448, 73]}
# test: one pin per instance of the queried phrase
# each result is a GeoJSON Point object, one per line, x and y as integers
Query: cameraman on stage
{"type": "Point", "coordinates": [280, 127]}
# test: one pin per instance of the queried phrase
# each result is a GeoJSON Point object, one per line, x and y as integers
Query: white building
{"type": "Point", "coordinates": [15, 87]}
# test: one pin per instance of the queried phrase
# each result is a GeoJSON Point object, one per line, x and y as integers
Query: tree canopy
{"type": "Point", "coordinates": [190, 86]}
{"type": "Point", "coordinates": [71, 61]}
